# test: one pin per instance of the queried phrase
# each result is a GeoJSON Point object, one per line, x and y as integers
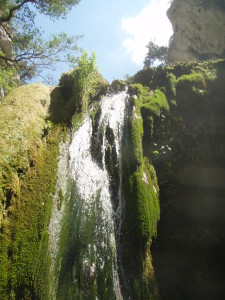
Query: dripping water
{"type": "Point", "coordinates": [96, 208]}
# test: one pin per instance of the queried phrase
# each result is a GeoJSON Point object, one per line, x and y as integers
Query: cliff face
{"type": "Point", "coordinates": [186, 146]}
{"type": "Point", "coordinates": [175, 131]}
{"type": "Point", "coordinates": [33, 123]}
{"type": "Point", "coordinates": [28, 141]}
{"type": "Point", "coordinates": [198, 30]}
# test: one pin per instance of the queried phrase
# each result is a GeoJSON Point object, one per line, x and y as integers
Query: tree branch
{"type": "Point", "coordinates": [6, 30]}
{"type": "Point", "coordinates": [7, 60]}
{"type": "Point", "coordinates": [12, 9]}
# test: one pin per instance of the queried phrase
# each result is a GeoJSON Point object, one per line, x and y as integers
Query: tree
{"type": "Point", "coordinates": [155, 53]}
{"type": "Point", "coordinates": [31, 53]}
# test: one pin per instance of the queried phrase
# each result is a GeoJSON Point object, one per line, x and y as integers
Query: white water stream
{"type": "Point", "coordinates": [93, 189]}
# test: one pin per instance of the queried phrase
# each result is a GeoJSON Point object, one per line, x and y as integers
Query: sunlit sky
{"type": "Point", "coordinates": [117, 30]}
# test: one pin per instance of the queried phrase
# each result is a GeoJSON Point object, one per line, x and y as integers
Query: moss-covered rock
{"type": "Point", "coordinates": [156, 103]}
{"type": "Point", "coordinates": [141, 196]}
{"type": "Point", "coordinates": [176, 126]}
{"type": "Point", "coordinates": [34, 119]}
{"type": "Point", "coordinates": [118, 85]}
{"type": "Point", "coordinates": [144, 199]}
{"type": "Point", "coordinates": [28, 162]}
{"type": "Point", "coordinates": [81, 95]}
{"type": "Point", "coordinates": [135, 133]}
{"type": "Point", "coordinates": [183, 138]}
{"type": "Point", "coordinates": [137, 89]}
{"type": "Point", "coordinates": [22, 116]}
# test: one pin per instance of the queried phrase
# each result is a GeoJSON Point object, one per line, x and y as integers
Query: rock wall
{"type": "Point", "coordinates": [185, 144]}
{"type": "Point", "coordinates": [35, 122]}
{"type": "Point", "coordinates": [176, 131]}
{"type": "Point", "coordinates": [198, 30]}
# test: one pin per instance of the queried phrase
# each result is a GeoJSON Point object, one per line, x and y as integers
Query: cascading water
{"type": "Point", "coordinates": [91, 258]}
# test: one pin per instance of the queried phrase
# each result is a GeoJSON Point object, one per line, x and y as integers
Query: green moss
{"type": "Point", "coordinates": [28, 163]}
{"type": "Point", "coordinates": [185, 146]}
{"type": "Point", "coordinates": [144, 191]}
{"type": "Point", "coordinates": [141, 192]}
{"type": "Point", "coordinates": [171, 87]}
{"type": "Point", "coordinates": [22, 116]}
{"type": "Point", "coordinates": [138, 90]}
{"type": "Point", "coordinates": [135, 133]}
{"type": "Point", "coordinates": [156, 103]}
{"type": "Point", "coordinates": [81, 94]}
{"type": "Point", "coordinates": [141, 215]}
{"type": "Point", "coordinates": [25, 235]}
{"type": "Point", "coordinates": [74, 280]}
{"type": "Point", "coordinates": [142, 175]}
{"type": "Point", "coordinates": [196, 79]}
{"type": "Point", "coordinates": [77, 120]}
{"type": "Point", "coordinates": [118, 85]}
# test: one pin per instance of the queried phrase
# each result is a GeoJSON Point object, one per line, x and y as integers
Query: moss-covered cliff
{"type": "Point", "coordinates": [29, 149]}
{"type": "Point", "coordinates": [33, 121]}
{"type": "Point", "coordinates": [173, 178]}
{"type": "Point", "coordinates": [141, 202]}
{"type": "Point", "coordinates": [185, 144]}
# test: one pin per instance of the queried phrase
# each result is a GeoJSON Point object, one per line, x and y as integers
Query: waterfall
{"type": "Point", "coordinates": [95, 204]}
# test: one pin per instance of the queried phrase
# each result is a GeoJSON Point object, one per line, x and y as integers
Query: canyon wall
{"type": "Point", "coordinates": [198, 30]}
{"type": "Point", "coordinates": [185, 144]}
{"type": "Point", "coordinates": [172, 150]}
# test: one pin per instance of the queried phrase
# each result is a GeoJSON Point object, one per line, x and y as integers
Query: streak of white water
{"type": "Point", "coordinates": [93, 181]}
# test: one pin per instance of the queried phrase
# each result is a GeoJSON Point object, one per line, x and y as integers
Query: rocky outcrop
{"type": "Point", "coordinates": [198, 30]}
{"type": "Point", "coordinates": [185, 144]}
{"type": "Point", "coordinates": [35, 123]}
{"type": "Point", "coordinates": [175, 130]}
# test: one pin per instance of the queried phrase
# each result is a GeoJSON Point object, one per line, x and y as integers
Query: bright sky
{"type": "Point", "coordinates": [117, 30]}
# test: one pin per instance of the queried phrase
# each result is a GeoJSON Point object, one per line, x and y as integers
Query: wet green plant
{"type": "Point", "coordinates": [118, 85]}
{"type": "Point", "coordinates": [24, 232]}
{"type": "Point", "coordinates": [28, 163]}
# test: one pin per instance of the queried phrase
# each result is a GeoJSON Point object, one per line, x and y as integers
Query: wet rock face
{"type": "Point", "coordinates": [198, 30]}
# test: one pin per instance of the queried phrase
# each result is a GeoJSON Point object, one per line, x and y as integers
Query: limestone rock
{"type": "Point", "coordinates": [198, 30]}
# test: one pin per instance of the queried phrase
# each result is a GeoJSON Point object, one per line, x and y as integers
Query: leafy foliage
{"type": "Point", "coordinates": [82, 76]}
{"type": "Point", "coordinates": [7, 77]}
{"type": "Point", "coordinates": [155, 53]}
{"type": "Point", "coordinates": [31, 52]}
{"type": "Point", "coordinates": [79, 83]}
{"type": "Point", "coordinates": [54, 9]}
